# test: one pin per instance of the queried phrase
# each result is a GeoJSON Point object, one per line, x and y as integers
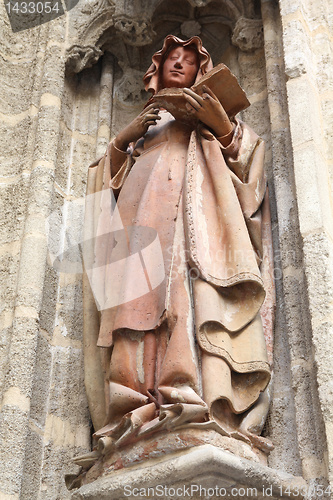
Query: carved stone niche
{"type": "Point", "coordinates": [95, 25]}
{"type": "Point", "coordinates": [132, 31]}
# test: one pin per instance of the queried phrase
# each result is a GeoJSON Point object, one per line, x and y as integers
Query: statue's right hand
{"type": "Point", "coordinates": [138, 127]}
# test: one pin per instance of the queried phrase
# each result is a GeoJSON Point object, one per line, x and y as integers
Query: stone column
{"type": "Point", "coordinates": [307, 42]}
{"type": "Point", "coordinates": [292, 289]}
{"type": "Point", "coordinates": [105, 104]}
{"type": "Point", "coordinates": [40, 154]}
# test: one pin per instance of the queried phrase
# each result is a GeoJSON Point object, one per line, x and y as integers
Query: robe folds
{"type": "Point", "coordinates": [182, 341]}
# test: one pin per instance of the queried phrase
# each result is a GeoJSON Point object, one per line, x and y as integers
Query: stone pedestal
{"type": "Point", "coordinates": [200, 472]}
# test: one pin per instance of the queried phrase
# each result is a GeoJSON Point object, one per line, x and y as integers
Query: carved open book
{"type": "Point", "coordinates": [220, 80]}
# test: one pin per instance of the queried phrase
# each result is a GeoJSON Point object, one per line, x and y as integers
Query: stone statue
{"type": "Point", "coordinates": [189, 350]}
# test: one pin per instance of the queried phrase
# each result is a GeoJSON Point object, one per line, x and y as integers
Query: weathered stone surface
{"type": "Point", "coordinates": [31, 473]}
{"type": "Point", "coordinates": [309, 69]}
{"type": "Point", "coordinates": [50, 133]}
{"type": "Point", "coordinates": [298, 57]}
{"type": "Point", "coordinates": [220, 472]}
{"type": "Point", "coordinates": [41, 386]}
{"type": "Point", "coordinates": [11, 453]}
{"type": "Point", "coordinates": [248, 34]}
{"type": "Point", "coordinates": [15, 138]}
{"type": "Point", "coordinates": [252, 74]}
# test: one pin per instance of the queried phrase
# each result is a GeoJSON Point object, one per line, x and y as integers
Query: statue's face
{"type": "Point", "coordinates": [180, 67]}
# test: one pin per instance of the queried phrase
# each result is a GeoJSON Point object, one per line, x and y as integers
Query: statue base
{"type": "Point", "coordinates": [156, 468]}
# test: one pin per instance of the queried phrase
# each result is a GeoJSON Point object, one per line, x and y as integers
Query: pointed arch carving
{"type": "Point", "coordinates": [123, 26]}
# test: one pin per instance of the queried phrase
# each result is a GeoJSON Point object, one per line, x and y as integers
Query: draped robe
{"type": "Point", "coordinates": [191, 351]}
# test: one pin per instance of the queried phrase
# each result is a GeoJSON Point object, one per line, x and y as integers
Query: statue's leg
{"type": "Point", "coordinates": [180, 363]}
{"type": "Point", "coordinates": [133, 371]}
{"type": "Point", "coordinates": [180, 366]}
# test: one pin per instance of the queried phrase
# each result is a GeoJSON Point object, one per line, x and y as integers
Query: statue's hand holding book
{"type": "Point", "coordinates": [219, 80]}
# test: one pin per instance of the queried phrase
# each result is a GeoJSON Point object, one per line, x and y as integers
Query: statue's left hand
{"type": "Point", "coordinates": [208, 109]}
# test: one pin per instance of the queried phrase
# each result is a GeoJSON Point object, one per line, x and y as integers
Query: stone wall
{"type": "Point", "coordinates": [293, 287]}
{"type": "Point", "coordinates": [43, 411]}
{"type": "Point", "coordinates": [55, 121]}
{"type": "Point", "coordinates": [307, 38]}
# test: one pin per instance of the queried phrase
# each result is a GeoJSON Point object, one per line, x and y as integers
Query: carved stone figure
{"type": "Point", "coordinates": [189, 350]}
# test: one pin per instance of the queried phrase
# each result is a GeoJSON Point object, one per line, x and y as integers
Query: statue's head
{"type": "Point", "coordinates": [178, 64]}
{"type": "Point", "coordinates": [180, 67]}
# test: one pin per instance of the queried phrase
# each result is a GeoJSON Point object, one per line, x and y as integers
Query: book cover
{"type": "Point", "coordinates": [220, 80]}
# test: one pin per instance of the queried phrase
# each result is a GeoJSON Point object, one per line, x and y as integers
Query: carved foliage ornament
{"type": "Point", "coordinates": [248, 34]}
{"type": "Point", "coordinates": [80, 57]}
{"type": "Point", "coordinates": [134, 31]}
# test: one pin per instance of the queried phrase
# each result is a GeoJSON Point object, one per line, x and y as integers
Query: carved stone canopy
{"type": "Point", "coordinates": [133, 30]}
